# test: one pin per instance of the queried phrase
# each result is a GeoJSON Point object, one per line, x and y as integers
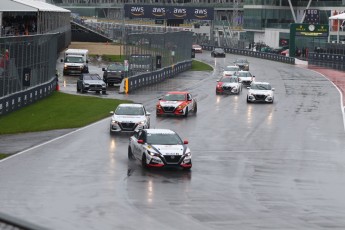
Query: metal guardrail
{"type": "Point", "coordinates": [11, 223]}
{"type": "Point", "coordinates": [132, 83]}
{"type": "Point", "coordinates": [262, 55]}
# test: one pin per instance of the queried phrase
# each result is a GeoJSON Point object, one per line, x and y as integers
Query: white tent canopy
{"type": "Point", "coordinates": [335, 17]}
{"type": "Point", "coordinates": [338, 17]}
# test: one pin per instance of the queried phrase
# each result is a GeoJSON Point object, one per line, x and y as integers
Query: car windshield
{"type": "Point", "coordinates": [261, 86]}
{"type": "Point", "coordinates": [241, 61]}
{"type": "Point", "coordinates": [92, 77]}
{"type": "Point", "coordinates": [229, 79]}
{"type": "Point", "coordinates": [231, 68]}
{"type": "Point", "coordinates": [163, 139]}
{"type": "Point", "coordinates": [218, 50]}
{"type": "Point", "coordinates": [244, 74]}
{"type": "Point", "coordinates": [115, 67]}
{"type": "Point", "coordinates": [129, 110]}
{"type": "Point", "coordinates": [174, 97]}
{"type": "Point", "coordinates": [74, 60]}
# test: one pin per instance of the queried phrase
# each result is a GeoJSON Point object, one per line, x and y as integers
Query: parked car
{"type": "Point", "coordinates": [113, 74]}
{"type": "Point", "coordinates": [91, 82]}
{"type": "Point", "coordinates": [230, 70]}
{"type": "Point", "coordinates": [260, 92]}
{"type": "Point", "coordinates": [159, 148]}
{"type": "Point", "coordinates": [245, 77]}
{"type": "Point", "coordinates": [228, 85]}
{"type": "Point", "coordinates": [177, 103]}
{"type": "Point", "coordinates": [197, 48]}
{"type": "Point", "coordinates": [129, 117]}
{"type": "Point", "coordinates": [285, 53]}
{"type": "Point", "coordinates": [242, 63]}
{"type": "Point", "coordinates": [218, 52]}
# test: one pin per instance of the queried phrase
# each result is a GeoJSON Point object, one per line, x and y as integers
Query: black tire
{"type": "Point", "coordinates": [130, 154]}
{"type": "Point", "coordinates": [143, 161]}
{"type": "Point", "coordinates": [196, 108]}
{"type": "Point", "coordinates": [104, 92]}
{"type": "Point", "coordinates": [248, 101]}
{"type": "Point", "coordinates": [78, 90]}
{"type": "Point", "coordinates": [186, 114]}
{"type": "Point", "coordinates": [98, 91]}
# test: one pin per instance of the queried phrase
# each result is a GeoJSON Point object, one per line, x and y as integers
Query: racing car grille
{"type": "Point", "coordinates": [246, 82]}
{"type": "Point", "coordinates": [260, 97]}
{"type": "Point", "coordinates": [127, 126]}
{"type": "Point", "coordinates": [172, 159]}
{"type": "Point", "coordinates": [95, 86]}
{"type": "Point", "coordinates": [227, 88]}
{"type": "Point", "coordinates": [168, 109]}
{"type": "Point", "coordinates": [73, 68]}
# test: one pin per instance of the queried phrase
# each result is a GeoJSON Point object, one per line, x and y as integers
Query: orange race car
{"type": "Point", "coordinates": [176, 103]}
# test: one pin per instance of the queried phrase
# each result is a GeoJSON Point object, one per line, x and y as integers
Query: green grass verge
{"type": "Point", "coordinates": [58, 111]}
{"type": "Point", "coordinates": [2, 156]}
{"type": "Point", "coordinates": [200, 66]}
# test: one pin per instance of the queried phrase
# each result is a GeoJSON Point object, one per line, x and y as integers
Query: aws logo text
{"type": "Point", "coordinates": [156, 11]}
{"type": "Point", "coordinates": [180, 12]}
{"type": "Point", "coordinates": [200, 13]}
{"type": "Point", "coordinates": [137, 11]}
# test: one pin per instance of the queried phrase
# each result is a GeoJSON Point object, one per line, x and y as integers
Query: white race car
{"type": "Point", "coordinates": [159, 148]}
{"type": "Point", "coordinates": [177, 103]}
{"type": "Point", "coordinates": [129, 117]}
{"type": "Point", "coordinates": [260, 92]}
{"type": "Point", "coordinates": [245, 77]}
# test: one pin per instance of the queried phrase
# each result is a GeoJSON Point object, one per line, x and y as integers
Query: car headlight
{"type": "Point", "coordinates": [182, 106]}
{"type": "Point", "coordinates": [152, 153]}
{"type": "Point", "coordinates": [103, 85]}
{"type": "Point", "coordinates": [188, 155]}
{"type": "Point", "coordinates": [141, 123]}
{"type": "Point", "coordinates": [65, 66]}
{"type": "Point", "coordinates": [114, 122]}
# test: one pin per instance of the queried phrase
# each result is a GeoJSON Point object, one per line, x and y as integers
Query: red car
{"type": "Point", "coordinates": [176, 103]}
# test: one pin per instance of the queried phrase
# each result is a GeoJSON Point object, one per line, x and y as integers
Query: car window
{"type": "Point", "coordinates": [229, 79]}
{"type": "Point", "coordinates": [115, 67]}
{"type": "Point", "coordinates": [163, 139]}
{"type": "Point", "coordinates": [174, 97]}
{"type": "Point", "coordinates": [244, 74]}
{"type": "Point", "coordinates": [261, 86]}
{"type": "Point", "coordinates": [74, 60]}
{"type": "Point", "coordinates": [126, 110]}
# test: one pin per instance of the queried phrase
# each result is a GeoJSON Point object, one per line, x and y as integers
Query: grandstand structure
{"type": "Point", "coordinates": [31, 37]}
{"type": "Point", "coordinates": [259, 21]}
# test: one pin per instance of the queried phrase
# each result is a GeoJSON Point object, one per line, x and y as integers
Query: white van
{"type": "Point", "coordinates": [75, 61]}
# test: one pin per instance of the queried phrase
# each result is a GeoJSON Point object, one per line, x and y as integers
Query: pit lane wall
{"type": "Point", "coordinates": [132, 83]}
{"type": "Point", "coordinates": [332, 61]}
{"type": "Point", "coordinates": [250, 53]}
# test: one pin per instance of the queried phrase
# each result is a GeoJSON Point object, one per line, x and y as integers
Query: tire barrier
{"type": "Point", "coordinates": [250, 53]}
{"type": "Point", "coordinates": [23, 98]}
{"type": "Point", "coordinates": [333, 61]}
{"type": "Point", "coordinates": [150, 78]}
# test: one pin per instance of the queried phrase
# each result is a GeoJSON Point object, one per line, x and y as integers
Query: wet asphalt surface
{"type": "Point", "coordinates": [255, 166]}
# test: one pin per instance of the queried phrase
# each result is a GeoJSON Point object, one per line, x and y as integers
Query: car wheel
{"type": "Point", "coordinates": [186, 113]}
{"type": "Point", "coordinates": [78, 90]}
{"type": "Point", "coordinates": [248, 100]}
{"type": "Point", "coordinates": [143, 161]}
{"type": "Point", "coordinates": [104, 92]}
{"type": "Point", "coordinates": [130, 154]}
{"type": "Point", "coordinates": [98, 91]}
{"type": "Point", "coordinates": [195, 108]}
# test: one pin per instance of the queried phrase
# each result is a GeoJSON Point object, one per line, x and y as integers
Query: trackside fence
{"type": "Point", "coordinates": [333, 61]}
{"type": "Point", "coordinates": [132, 83]}
{"type": "Point", "coordinates": [27, 69]}
{"type": "Point", "coordinates": [250, 53]}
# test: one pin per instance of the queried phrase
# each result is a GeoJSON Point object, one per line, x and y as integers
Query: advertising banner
{"type": "Point", "coordinates": [169, 12]}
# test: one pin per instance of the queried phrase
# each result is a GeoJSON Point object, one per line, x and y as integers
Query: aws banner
{"type": "Point", "coordinates": [168, 12]}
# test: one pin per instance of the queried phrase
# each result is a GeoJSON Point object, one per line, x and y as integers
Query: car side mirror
{"type": "Point", "coordinates": [185, 142]}
{"type": "Point", "coordinates": [61, 60]}
{"type": "Point", "coordinates": [159, 99]}
{"type": "Point", "coordinates": [103, 69]}
{"type": "Point", "coordinates": [87, 61]}
{"type": "Point", "coordinates": [141, 141]}
{"type": "Point", "coordinates": [111, 112]}
{"type": "Point", "coordinates": [148, 114]}
{"type": "Point", "coordinates": [273, 89]}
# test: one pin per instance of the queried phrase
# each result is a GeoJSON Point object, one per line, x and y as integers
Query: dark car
{"type": "Point", "coordinates": [218, 52]}
{"type": "Point", "coordinates": [242, 63]}
{"type": "Point", "coordinates": [113, 74]}
{"type": "Point", "coordinates": [91, 82]}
